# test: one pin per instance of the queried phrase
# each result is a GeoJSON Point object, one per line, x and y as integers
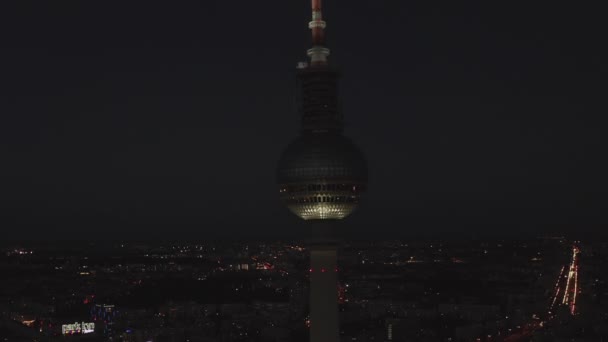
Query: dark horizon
{"type": "Point", "coordinates": [157, 234]}
{"type": "Point", "coordinates": [155, 121]}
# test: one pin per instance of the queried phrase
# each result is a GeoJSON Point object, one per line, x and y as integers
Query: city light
{"type": "Point", "coordinates": [571, 289]}
{"type": "Point", "coordinates": [77, 328]}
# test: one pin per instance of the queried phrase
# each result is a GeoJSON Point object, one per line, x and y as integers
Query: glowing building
{"type": "Point", "coordinates": [321, 176]}
{"type": "Point", "coordinates": [104, 315]}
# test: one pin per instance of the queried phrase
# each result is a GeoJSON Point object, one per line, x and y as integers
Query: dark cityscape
{"type": "Point", "coordinates": [306, 170]}
{"type": "Point", "coordinates": [469, 290]}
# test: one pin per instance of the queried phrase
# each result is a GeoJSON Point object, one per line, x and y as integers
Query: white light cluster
{"type": "Point", "coordinates": [322, 211]}
{"type": "Point", "coordinates": [76, 328]}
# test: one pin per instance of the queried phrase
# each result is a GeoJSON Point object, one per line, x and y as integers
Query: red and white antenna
{"type": "Point", "coordinates": [318, 53]}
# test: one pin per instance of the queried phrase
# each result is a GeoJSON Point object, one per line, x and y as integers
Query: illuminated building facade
{"type": "Point", "coordinates": [321, 177]}
{"type": "Point", "coordinates": [77, 328]}
{"type": "Point", "coordinates": [104, 315]}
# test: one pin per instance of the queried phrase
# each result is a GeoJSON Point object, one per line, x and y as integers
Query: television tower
{"type": "Point", "coordinates": [321, 177]}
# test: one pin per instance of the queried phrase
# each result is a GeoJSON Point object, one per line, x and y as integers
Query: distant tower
{"type": "Point", "coordinates": [321, 176]}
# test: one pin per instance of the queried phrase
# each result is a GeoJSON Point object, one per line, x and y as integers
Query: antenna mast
{"type": "Point", "coordinates": [318, 53]}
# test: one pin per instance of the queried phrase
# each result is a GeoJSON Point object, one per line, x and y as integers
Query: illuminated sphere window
{"type": "Point", "coordinates": [322, 176]}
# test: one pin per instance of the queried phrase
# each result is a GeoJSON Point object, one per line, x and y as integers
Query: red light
{"type": "Point", "coordinates": [322, 270]}
{"type": "Point", "coordinates": [336, 270]}
{"type": "Point", "coordinates": [310, 270]}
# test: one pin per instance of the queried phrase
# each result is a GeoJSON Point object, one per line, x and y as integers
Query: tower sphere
{"type": "Point", "coordinates": [321, 176]}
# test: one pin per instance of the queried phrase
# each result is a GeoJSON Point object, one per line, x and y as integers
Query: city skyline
{"type": "Point", "coordinates": [140, 121]}
{"type": "Point", "coordinates": [467, 291]}
{"type": "Point", "coordinates": [206, 171]}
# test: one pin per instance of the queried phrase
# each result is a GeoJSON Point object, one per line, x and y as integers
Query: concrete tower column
{"type": "Point", "coordinates": [324, 325]}
{"type": "Point", "coordinates": [323, 294]}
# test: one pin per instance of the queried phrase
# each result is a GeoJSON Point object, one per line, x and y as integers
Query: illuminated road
{"type": "Point", "coordinates": [565, 293]}
{"type": "Point", "coordinates": [571, 289]}
{"type": "Point", "coordinates": [566, 286]}
{"type": "Point", "coordinates": [557, 289]}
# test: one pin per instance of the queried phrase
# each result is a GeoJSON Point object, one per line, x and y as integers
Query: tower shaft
{"type": "Point", "coordinates": [323, 293]}
{"type": "Point", "coordinates": [319, 104]}
{"type": "Point", "coordinates": [321, 176]}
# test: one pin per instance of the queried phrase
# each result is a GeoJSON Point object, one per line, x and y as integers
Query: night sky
{"type": "Point", "coordinates": [166, 119]}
